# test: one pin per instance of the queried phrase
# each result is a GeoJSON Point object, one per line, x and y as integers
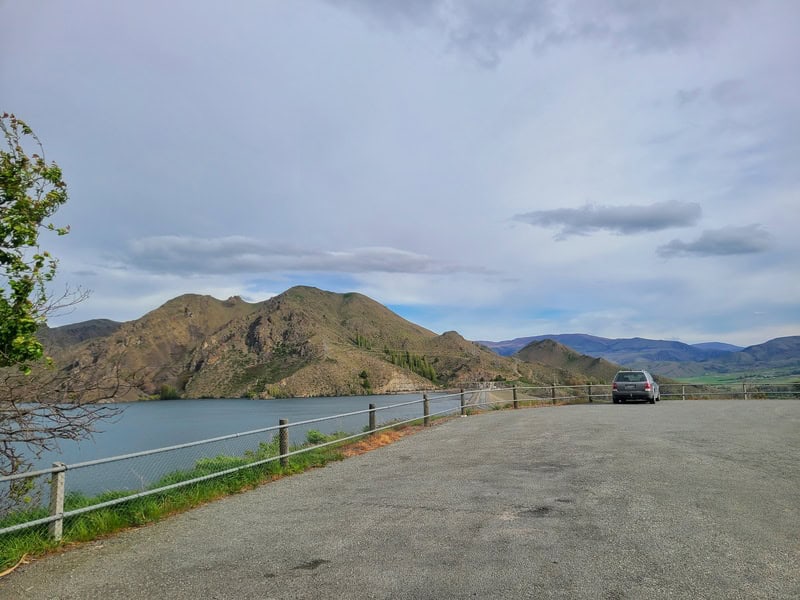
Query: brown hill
{"type": "Point", "coordinates": [308, 342]}
{"type": "Point", "coordinates": [571, 363]}
{"type": "Point", "coordinates": [304, 342]}
{"type": "Point", "coordinates": [153, 349]}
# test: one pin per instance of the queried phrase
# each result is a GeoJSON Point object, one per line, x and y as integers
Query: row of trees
{"type": "Point", "coordinates": [413, 362]}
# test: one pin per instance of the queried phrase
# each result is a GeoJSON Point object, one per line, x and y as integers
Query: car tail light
{"type": "Point", "coordinates": [614, 386]}
{"type": "Point", "coordinates": [647, 386]}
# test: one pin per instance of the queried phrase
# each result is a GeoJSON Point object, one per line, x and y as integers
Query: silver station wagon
{"type": "Point", "coordinates": [634, 385]}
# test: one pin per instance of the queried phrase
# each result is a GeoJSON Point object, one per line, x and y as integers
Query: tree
{"type": "Point", "coordinates": [39, 404]}
{"type": "Point", "coordinates": [31, 190]}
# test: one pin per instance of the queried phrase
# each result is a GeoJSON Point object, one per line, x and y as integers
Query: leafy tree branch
{"type": "Point", "coordinates": [31, 190]}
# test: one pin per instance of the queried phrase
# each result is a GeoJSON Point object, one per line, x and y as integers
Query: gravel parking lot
{"type": "Point", "coordinates": [695, 499]}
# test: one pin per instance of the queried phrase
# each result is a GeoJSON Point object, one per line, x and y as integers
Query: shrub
{"type": "Point", "coordinates": [167, 392]}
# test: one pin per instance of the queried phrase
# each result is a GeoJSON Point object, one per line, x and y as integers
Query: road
{"type": "Point", "coordinates": [696, 499]}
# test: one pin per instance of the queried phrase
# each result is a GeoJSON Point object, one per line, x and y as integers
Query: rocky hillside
{"type": "Point", "coordinates": [304, 342]}
{"type": "Point", "coordinates": [150, 351]}
{"type": "Point", "coordinates": [553, 354]}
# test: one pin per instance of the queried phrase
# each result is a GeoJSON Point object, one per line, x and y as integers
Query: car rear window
{"type": "Point", "coordinates": [630, 377]}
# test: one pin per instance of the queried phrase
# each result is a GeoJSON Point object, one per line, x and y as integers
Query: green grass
{"type": "Point", "coordinates": [775, 376]}
{"type": "Point", "coordinates": [734, 379]}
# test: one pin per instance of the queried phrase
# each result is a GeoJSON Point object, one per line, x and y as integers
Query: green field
{"type": "Point", "coordinates": [776, 376]}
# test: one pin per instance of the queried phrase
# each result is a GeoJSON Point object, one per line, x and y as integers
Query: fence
{"type": "Point", "coordinates": [204, 458]}
{"type": "Point", "coordinates": [151, 471]}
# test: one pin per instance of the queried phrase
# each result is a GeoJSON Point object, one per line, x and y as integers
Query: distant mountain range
{"type": "Point", "coordinates": [670, 358]}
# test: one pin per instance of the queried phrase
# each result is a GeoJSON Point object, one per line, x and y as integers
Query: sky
{"type": "Point", "coordinates": [501, 168]}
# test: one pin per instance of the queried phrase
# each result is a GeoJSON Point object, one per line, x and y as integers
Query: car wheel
{"type": "Point", "coordinates": [653, 400]}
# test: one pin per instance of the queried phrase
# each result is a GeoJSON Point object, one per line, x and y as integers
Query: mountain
{"type": "Point", "coordinates": [553, 354]}
{"type": "Point", "coordinates": [718, 346]}
{"type": "Point", "coordinates": [674, 359]}
{"type": "Point", "coordinates": [153, 349]}
{"type": "Point", "coordinates": [304, 342]}
{"type": "Point", "coordinates": [69, 335]}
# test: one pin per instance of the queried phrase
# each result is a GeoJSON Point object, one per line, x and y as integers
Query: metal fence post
{"type": "Point", "coordinates": [744, 390]}
{"type": "Point", "coordinates": [57, 484]}
{"type": "Point", "coordinates": [426, 410]}
{"type": "Point", "coordinates": [372, 418]}
{"type": "Point", "coordinates": [590, 392]}
{"type": "Point", "coordinates": [683, 392]}
{"type": "Point", "coordinates": [463, 406]}
{"type": "Point", "coordinates": [514, 396]}
{"type": "Point", "coordinates": [283, 441]}
{"type": "Point", "coordinates": [553, 392]}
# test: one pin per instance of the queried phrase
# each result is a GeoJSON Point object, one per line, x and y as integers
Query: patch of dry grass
{"type": "Point", "coordinates": [377, 440]}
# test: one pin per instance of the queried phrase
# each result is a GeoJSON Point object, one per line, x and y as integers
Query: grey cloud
{"type": "Point", "coordinates": [485, 29]}
{"type": "Point", "coordinates": [685, 97]}
{"type": "Point", "coordinates": [730, 92]}
{"type": "Point", "coordinates": [481, 29]}
{"type": "Point", "coordinates": [725, 93]}
{"type": "Point", "coordinates": [655, 26]}
{"type": "Point", "coordinates": [235, 254]}
{"type": "Point", "coordinates": [727, 241]}
{"type": "Point", "coordinates": [617, 219]}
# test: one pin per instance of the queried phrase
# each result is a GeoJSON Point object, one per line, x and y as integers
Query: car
{"type": "Point", "coordinates": [634, 385]}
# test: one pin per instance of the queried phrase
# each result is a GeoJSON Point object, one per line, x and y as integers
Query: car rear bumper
{"type": "Point", "coordinates": [632, 395]}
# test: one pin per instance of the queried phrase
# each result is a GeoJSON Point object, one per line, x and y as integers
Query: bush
{"type": "Point", "coordinates": [316, 437]}
{"type": "Point", "coordinates": [167, 392]}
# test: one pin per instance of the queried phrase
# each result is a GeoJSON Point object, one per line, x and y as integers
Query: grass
{"type": "Point", "coordinates": [738, 378]}
{"type": "Point", "coordinates": [786, 375]}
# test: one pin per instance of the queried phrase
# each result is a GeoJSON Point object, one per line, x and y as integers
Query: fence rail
{"type": "Point", "coordinates": [489, 396]}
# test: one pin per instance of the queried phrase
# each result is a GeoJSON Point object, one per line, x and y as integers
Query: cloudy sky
{"type": "Point", "coordinates": [498, 167]}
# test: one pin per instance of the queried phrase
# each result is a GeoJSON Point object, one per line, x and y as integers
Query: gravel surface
{"type": "Point", "coordinates": [696, 499]}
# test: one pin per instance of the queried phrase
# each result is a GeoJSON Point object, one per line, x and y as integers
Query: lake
{"type": "Point", "coordinates": [144, 426]}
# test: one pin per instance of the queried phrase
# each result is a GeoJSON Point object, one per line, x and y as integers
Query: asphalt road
{"type": "Point", "coordinates": [674, 500]}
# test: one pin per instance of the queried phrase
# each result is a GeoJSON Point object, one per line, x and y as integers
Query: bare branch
{"type": "Point", "coordinates": [50, 405]}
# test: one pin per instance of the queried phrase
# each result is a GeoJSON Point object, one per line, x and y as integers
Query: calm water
{"type": "Point", "coordinates": [149, 425]}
